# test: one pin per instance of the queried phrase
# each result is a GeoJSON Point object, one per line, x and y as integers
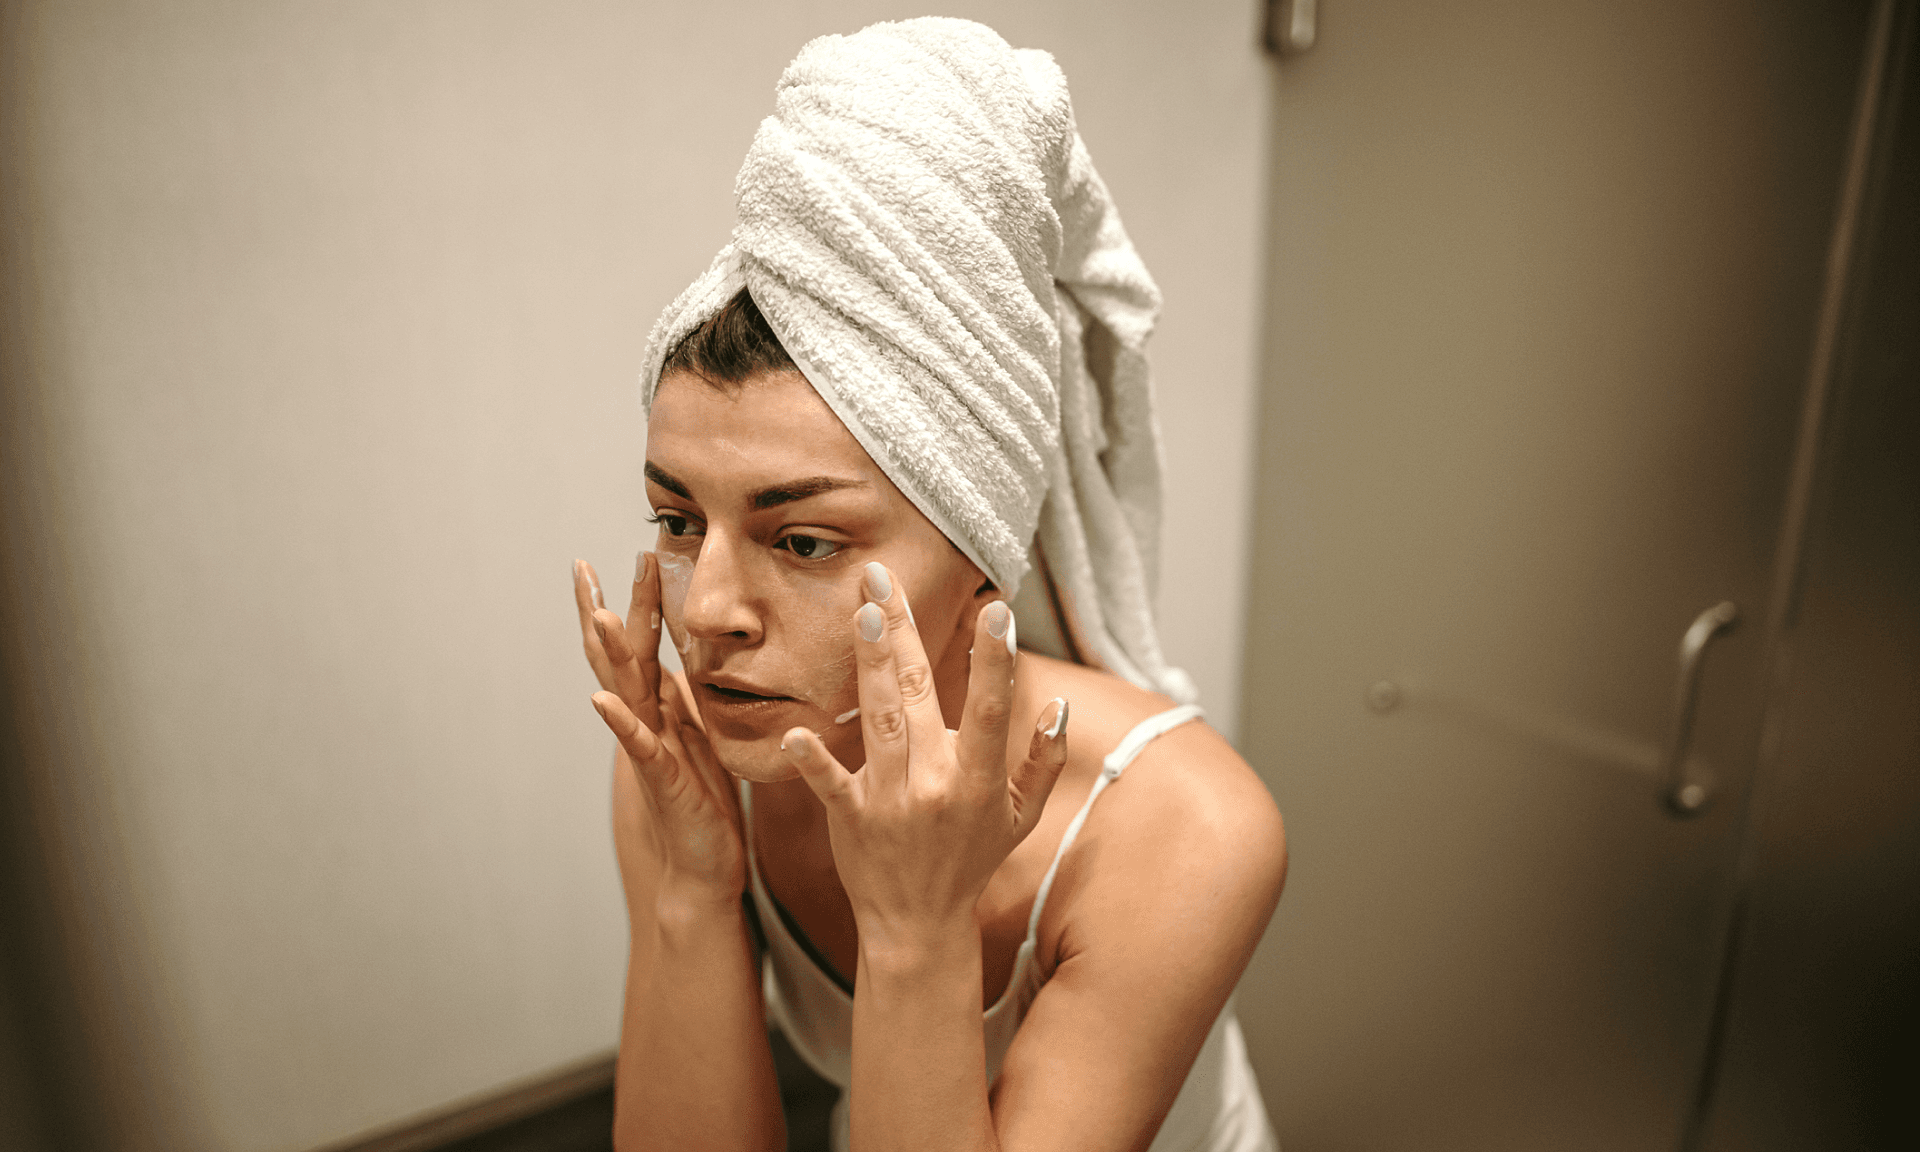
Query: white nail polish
{"type": "Point", "coordinates": [1011, 629]}
{"type": "Point", "coordinates": [879, 584]}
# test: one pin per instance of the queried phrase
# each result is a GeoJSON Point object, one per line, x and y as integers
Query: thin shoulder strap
{"type": "Point", "coordinates": [1116, 762]}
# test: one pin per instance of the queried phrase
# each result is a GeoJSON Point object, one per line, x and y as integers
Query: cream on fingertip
{"type": "Point", "coordinates": [1059, 719]}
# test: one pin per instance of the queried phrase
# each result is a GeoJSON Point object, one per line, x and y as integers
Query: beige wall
{"type": "Point", "coordinates": [332, 319]}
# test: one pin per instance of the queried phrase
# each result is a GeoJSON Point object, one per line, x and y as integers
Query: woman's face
{"type": "Point", "coordinates": [769, 511]}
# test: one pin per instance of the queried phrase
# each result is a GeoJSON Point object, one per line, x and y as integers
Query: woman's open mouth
{"type": "Point", "coordinates": [740, 713]}
{"type": "Point", "coordinates": [732, 698]}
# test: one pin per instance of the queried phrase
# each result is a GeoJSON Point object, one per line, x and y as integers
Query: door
{"type": "Point", "coordinates": [1543, 284]}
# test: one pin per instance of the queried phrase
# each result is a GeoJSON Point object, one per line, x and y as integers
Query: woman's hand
{"type": "Point", "coordinates": [919, 831]}
{"type": "Point", "coordinates": [673, 803]}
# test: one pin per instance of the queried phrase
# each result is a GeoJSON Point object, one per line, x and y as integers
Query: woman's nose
{"type": "Point", "coordinates": [720, 603]}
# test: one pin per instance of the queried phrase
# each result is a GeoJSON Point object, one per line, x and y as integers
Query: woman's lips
{"type": "Point", "coordinates": [739, 714]}
{"type": "Point", "coordinates": [740, 701]}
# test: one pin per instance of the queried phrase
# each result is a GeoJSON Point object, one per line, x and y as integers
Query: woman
{"type": "Point", "coordinates": [901, 443]}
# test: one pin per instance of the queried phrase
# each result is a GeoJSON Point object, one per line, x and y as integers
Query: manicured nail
{"type": "Point", "coordinates": [640, 566]}
{"type": "Point", "coordinates": [1059, 719]}
{"type": "Point", "coordinates": [1011, 629]}
{"type": "Point", "coordinates": [599, 629]}
{"type": "Point", "coordinates": [999, 619]}
{"type": "Point", "coordinates": [879, 584]}
{"type": "Point", "coordinates": [872, 622]}
{"type": "Point", "coordinates": [593, 586]}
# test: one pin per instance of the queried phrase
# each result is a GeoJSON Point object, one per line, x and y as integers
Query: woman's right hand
{"type": "Point", "coordinates": [676, 815]}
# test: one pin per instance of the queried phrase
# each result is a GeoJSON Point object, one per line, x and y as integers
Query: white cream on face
{"type": "Point", "coordinates": [676, 576]}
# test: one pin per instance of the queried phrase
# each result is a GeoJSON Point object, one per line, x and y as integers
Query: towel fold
{"type": "Point", "coordinates": [922, 228]}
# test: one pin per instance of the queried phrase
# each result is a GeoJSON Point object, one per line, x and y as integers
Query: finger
{"type": "Point", "coordinates": [989, 711]}
{"type": "Point", "coordinates": [586, 598]}
{"type": "Point", "coordinates": [643, 748]}
{"type": "Point", "coordinates": [926, 727]}
{"type": "Point", "coordinates": [643, 619]}
{"type": "Point", "coordinates": [883, 718]}
{"type": "Point", "coordinates": [698, 752]}
{"type": "Point", "coordinates": [674, 692]}
{"type": "Point", "coordinates": [833, 784]}
{"type": "Point", "coordinates": [673, 791]}
{"type": "Point", "coordinates": [624, 663]}
{"type": "Point", "coordinates": [1033, 781]}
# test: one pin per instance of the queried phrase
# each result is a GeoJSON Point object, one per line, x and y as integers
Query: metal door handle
{"type": "Point", "coordinates": [1684, 797]}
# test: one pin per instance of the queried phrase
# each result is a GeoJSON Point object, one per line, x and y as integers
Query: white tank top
{"type": "Point", "coordinates": [1219, 1107]}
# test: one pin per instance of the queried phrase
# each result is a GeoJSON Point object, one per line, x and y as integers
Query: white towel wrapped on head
{"type": "Point", "coordinates": [924, 231]}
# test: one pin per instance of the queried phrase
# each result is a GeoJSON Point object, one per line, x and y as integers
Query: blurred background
{"type": "Point", "coordinates": [1503, 342]}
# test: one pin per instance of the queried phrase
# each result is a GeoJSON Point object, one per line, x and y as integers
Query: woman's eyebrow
{"type": "Point", "coordinates": [772, 496]}
{"type": "Point", "coordinates": [666, 480]}
{"type": "Point", "coordinates": [787, 491]}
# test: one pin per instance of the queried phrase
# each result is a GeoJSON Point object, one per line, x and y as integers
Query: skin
{"type": "Point", "coordinates": [909, 845]}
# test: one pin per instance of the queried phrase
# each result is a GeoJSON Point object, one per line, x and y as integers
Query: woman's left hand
{"type": "Point", "coordinates": [919, 831]}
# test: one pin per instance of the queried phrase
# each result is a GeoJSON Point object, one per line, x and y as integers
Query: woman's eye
{"type": "Point", "coordinates": [672, 525]}
{"type": "Point", "coordinates": [808, 547]}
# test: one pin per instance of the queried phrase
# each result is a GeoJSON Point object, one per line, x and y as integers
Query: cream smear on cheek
{"type": "Point", "coordinates": [676, 576]}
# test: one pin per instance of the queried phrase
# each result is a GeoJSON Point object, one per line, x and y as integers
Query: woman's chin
{"type": "Point", "coordinates": [760, 769]}
{"type": "Point", "coordinates": [760, 761]}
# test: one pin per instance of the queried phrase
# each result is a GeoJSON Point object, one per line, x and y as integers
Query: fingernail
{"type": "Point", "coordinates": [1059, 719]}
{"type": "Point", "coordinates": [1011, 629]}
{"type": "Point", "coordinates": [593, 586]}
{"type": "Point", "coordinates": [600, 629]}
{"type": "Point", "coordinates": [879, 584]}
{"type": "Point", "coordinates": [640, 566]}
{"type": "Point", "coordinates": [999, 619]}
{"type": "Point", "coordinates": [872, 622]}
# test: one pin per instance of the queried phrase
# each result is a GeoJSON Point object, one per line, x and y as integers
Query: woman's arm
{"type": "Point", "coordinates": [1169, 889]}
{"type": "Point", "coordinates": [695, 1071]}
{"type": "Point", "coordinates": [917, 834]}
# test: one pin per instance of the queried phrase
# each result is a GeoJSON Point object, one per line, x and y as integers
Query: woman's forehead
{"type": "Point", "coordinates": [773, 429]}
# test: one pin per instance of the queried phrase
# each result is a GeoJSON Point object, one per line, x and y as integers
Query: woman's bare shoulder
{"type": "Point", "coordinates": [1188, 814]}
{"type": "Point", "coordinates": [1190, 766]}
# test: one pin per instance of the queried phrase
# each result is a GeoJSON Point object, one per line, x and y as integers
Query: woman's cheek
{"type": "Point", "coordinates": [823, 616]}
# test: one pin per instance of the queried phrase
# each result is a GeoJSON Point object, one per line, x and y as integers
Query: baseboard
{"type": "Point", "coordinates": [489, 1111]}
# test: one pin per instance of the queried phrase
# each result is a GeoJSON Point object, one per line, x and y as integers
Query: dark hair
{"type": "Point", "coordinates": [733, 345]}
